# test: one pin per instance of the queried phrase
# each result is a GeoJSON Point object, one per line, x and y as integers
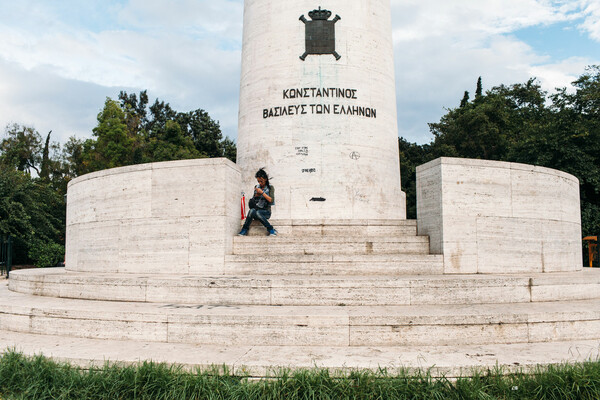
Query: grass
{"type": "Point", "coordinates": [38, 377]}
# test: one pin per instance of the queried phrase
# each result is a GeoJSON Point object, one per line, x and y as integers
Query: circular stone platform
{"type": "Point", "coordinates": [256, 340]}
{"type": "Point", "coordinates": [307, 290]}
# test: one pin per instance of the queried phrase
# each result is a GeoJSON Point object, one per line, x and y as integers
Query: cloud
{"type": "Point", "coordinates": [470, 20]}
{"type": "Point", "coordinates": [161, 49]}
{"type": "Point", "coordinates": [561, 74]}
{"type": "Point", "coordinates": [220, 20]}
{"type": "Point", "coordinates": [47, 102]}
{"type": "Point", "coordinates": [435, 73]}
{"type": "Point", "coordinates": [442, 47]}
{"type": "Point", "coordinates": [591, 23]}
{"type": "Point", "coordinates": [59, 60]}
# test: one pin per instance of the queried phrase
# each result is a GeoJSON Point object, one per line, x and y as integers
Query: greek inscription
{"type": "Point", "coordinates": [336, 93]}
{"type": "Point", "coordinates": [321, 108]}
{"type": "Point", "coordinates": [286, 110]}
{"type": "Point", "coordinates": [302, 151]}
{"type": "Point", "coordinates": [317, 109]}
{"type": "Point", "coordinates": [355, 110]}
{"type": "Point", "coordinates": [309, 170]}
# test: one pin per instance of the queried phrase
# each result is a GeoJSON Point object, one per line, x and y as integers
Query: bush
{"type": "Point", "coordinates": [46, 254]}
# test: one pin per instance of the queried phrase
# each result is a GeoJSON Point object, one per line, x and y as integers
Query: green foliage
{"type": "Point", "coordinates": [166, 134]}
{"type": "Point", "coordinates": [40, 378]}
{"type": "Point", "coordinates": [46, 254]}
{"type": "Point", "coordinates": [131, 132]}
{"type": "Point", "coordinates": [521, 123]}
{"type": "Point", "coordinates": [170, 144]}
{"type": "Point", "coordinates": [21, 148]}
{"type": "Point", "coordinates": [411, 156]}
{"type": "Point", "coordinates": [229, 149]}
{"type": "Point", "coordinates": [45, 167]}
{"type": "Point", "coordinates": [30, 210]}
{"type": "Point", "coordinates": [114, 146]}
{"type": "Point", "coordinates": [73, 156]}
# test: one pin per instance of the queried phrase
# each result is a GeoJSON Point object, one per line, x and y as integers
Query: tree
{"type": "Point", "coordinates": [114, 146]}
{"type": "Point", "coordinates": [31, 211]}
{"type": "Point", "coordinates": [465, 100]}
{"type": "Point", "coordinates": [521, 123]}
{"type": "Point", "coordinates": [150, 125]}
{"type": "Point", "coordinates": [135, 109]}
{"type": "Point", "coordinates": [21, 149]}
{"type": "Point", "coordinates": [45, 169]}
{"type": "Point", "coordinates": [32, 208]}
{"type": "Point", "coordinates": [229, 149]}
{"type": "Point", "coordinates": [568, 139]}
{"type": "Point", "coordinates": [74, 158]}
{"type": "Point", "coordinates": [411, 156]}
{"type": "Point", "coordinates": [171, 144]}
{"type": "Point", "coordinates": [489, 127]}
{"type": "Point", "coordinates": [477, 130]}
{"type": "Point", "coordinates": [479, 90]}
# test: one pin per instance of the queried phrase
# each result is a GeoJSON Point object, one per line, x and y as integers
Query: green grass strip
{"type": "Point", "coordinates": [38, 377]}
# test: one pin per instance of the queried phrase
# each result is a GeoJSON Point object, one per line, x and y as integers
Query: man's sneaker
{"type": "Point", "coordinates": [243, 232]}
{"type": "Point", "coordinates": [271, 232]}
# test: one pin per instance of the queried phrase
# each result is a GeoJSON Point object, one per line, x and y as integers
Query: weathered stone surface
{"type": "Point", "coordinates": [420, 335]}
{"type": "Point", "coordinates": [262, 361]}
{"type": "Point", "coordinates": [180, 215]}
{"type": "Point", "coordinates": [330, 245]}
{"type": "Point", "coordinates": [300, 288]}
{"type": "Point", "coordinates": [334, 264]}
{"type": "Point", "coordinates": [393, 325]}
{"type": "Point", "coordinates": [497, 217]}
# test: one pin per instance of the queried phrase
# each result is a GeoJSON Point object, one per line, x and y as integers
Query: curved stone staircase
{"type": "Point", "coordinates": [327, 293]}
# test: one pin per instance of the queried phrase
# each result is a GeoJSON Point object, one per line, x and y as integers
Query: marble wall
{"type": "Point", "coordinates": [499, 217]}
{"type": "Point", "coordinates": [172, 217]}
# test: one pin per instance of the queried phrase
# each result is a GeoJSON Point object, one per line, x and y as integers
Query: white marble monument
{"type": "Point", "coordinates": [318, 108]}
{"type": "Point", "coordinates": [489, 275]}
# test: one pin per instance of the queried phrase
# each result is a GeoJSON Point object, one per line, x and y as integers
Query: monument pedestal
{"type": "Point", "coordinates": [367, 291]}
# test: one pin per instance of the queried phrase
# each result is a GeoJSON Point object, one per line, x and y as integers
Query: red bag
{"type": "Point", "coordinates": [243, 206]}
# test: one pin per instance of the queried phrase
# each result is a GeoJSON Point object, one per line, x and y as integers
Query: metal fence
{"type": "Point", "coordinates": [5, 255]}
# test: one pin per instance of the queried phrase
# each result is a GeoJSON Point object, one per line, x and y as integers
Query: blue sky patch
{"type": "Point", "coordinates": [559, 41]}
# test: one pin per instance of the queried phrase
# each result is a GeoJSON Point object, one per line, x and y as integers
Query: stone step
{"type": "Point", "coordinates": [314, 229]}
{"type": "Point", "coordinates": [342, 222]}
{"type": "Point", "coordinates": [263, 361]}
{"type": "Point", "coordinates": [303, 290]}
{"type": "Point", "coordinates": [294, 264]}
{"type": "Point", "coordinates": [330, 245]}
{"type": "Point", "coordinates": [302, 326]}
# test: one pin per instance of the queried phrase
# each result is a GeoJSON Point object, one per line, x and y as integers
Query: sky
{"type": "Point", "coordinates": [60, 59]}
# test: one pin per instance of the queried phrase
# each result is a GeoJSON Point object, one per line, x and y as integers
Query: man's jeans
{"type": "Point", "coordinates": [261, 215]}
